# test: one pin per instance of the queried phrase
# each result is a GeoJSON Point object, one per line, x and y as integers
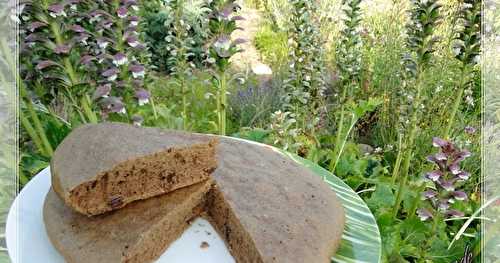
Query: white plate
{"type": "Point", "coordinates": [27, 241]}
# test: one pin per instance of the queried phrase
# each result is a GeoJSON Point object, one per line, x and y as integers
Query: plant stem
{"type": "Point", "coordinates": [456, 104]}
{"type": "Point", "coordinates": [341, 150]}
{"type": "Point", "coordinates": [68, 67]}
{"type": "Point", "coordinates": [32, 133]}
{"type": "Point", "coordinates": [340, 127]}
{"type": "Point", "coordinates": [184, 104]}
{"type": "Point", "coordinates": [409, 147]}
{"type": "Point", "coordinates": [397, 165]}
{"type": "Point", "coordinates": [85, 101]}
{"type": "Point", "coordinates": [222, 102]}
{"type": "Point", "coordinates": [38, 128]}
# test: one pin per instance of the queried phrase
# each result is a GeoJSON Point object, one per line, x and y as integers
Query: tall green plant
{"type": "Point", "coordinates": [424, 16]}
{"type": "Point", "coordinates": [222, 24]}
{"type": "Point", "coordinates": [305, 85]}
{"type": "Point", "coordinates": [466, 48]}
{"type": "Point", "coordinates": [348, 61]}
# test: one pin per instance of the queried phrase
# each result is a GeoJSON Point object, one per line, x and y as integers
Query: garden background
{"type": "Point", "coordinates": [384, 94]}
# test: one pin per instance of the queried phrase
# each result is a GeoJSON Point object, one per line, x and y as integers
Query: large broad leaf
{"type": "Point", "coordinates": [361, 240]}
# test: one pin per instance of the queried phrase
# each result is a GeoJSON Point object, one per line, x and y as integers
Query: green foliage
{"type": "Point", "coordinates": [272, 45]}
{"type": "Point", "coordinates": [176, 31]}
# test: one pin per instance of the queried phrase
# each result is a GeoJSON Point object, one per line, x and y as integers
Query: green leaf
{"type": "Point", "coordinates": [361, 241]}
{"type": "Point", "coordinates": [382, 197]}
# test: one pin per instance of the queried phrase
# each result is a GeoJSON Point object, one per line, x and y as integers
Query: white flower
{"type": "Point", "coordinates": [378, 150]}
{"type": "Point", "coordinates": [476, 59]}
{"type": "Point", "coordinates": [211, 60]}
{"type": "Point", "coordinates": [469, 100]}
{"type": "Point", "coordinates": [103, 45]}
{"type": "Point", "coordinates": [120, 59]}
{"type": "Point", "coordinates": [143, 102]}
{"type": "Point", "coordinates": [112, 77]}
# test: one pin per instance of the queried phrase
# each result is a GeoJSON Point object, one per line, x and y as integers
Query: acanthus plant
{"type": "Point", "coordinates": [88, 47]}
{"type": "Point", "coordinates": [222, 48]}
{"type": "Point", "coordinates": [173, 24]}
{"type": "Point", "coordinates": [183, 46]}
{"type": "Point", "coordinates": [305, 86]}
{"type": "Point", "coordinates": [445, 183]}
{"type": "Point", "coordinates": [349, 63]}
{"type": "Point", "coordinates": [117, 55]}
{"type": "Point", "coordinates": [466, 49]}
{"type": "Point", "coordinates": [49, 46]}
{"type": "Point", "coordinates": [423, 18]}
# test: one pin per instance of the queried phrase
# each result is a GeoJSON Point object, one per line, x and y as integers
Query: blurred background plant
{"type": "Point", "coordinates": [359, 87]}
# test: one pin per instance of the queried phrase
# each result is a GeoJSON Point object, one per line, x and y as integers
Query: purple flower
{"type": "Point", "coordinates": [45, 64]}
{"type": "Point", "coordinates": [454, 213]}
{"type": "Point", "coordinates": [459, 195]}
{"type": "Point", "coordinates": [441, 156]}
{"type": "Point", "coordinates": [86, 59]}
{"type": "Point", "coordinates": [470, 130]}
{"type": "Point", "coordinates": [443, 205]}
{"type": "Point", "coordinates": [132, 41]}
{"type": "Point", "coordinates": [137, 120]}
{"type": "Point", "coordinates": [454, 168]}
{"type": "Point", "coordinates": [134, 21]}
{"type": "Point", "coordinates": [122, 12]}
{"type": "Point", "coordinates": [429, 194]}
{"type": "Point", "coordinates": [434, 175]}
{"type": "Point", "coordinates": [121, 84]}
{"type": "Point", "coordinates": [62, 49]}
{"type": "Point", "coordinates": [78, 29]}
{"type": "Point", "coordinates": [447, 185]}
{"type": "Point", "coordinates": [222, 46]}
{"type": "Point", "coordinates": [463, 175]}
{"type": "Point", "coordinates": [82, 38]}
{"type": "Point", "coordinates": [137, 70]}
{"type": "Point", "coordinates": [102, 57]}
{"type": "Point", "coordinates": [142, 96]}
{"type": "Point", "coordinates": [102, 91]}
{"type": "Point", "coordinates": [120, 59]}
{"type": "Point", "coordinates": [438, 142]}
{"type": "Point", "coordinates": [132, 4]}
{"type": "Point", "coordinates": [73, 4]}
{"type": "Point", "coordinates": [460, 156]}
{"type": "Point", "coordinates": [424, 214]}
{"type": "Point", "coordinates": [33, 37]}
{"type": "Point", "coordinates": [56, 10]}
{"type": "Point", "coordinates": [111, 74]}
{"type": "Point", "coordinates": [107, 24]}
{"type": "Point", "coordinates": [103, 42]}
{"type": "Point", "coordinates": [35, 25]}
{"type": "Point", "coordinates": [113, 104]}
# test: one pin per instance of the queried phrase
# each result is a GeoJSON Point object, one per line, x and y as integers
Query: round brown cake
{"type": "Point", "coordinates": [265, 206]}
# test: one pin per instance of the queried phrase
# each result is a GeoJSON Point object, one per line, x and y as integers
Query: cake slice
{"type": "Point", "coordinates": [137, 233]}
{"type": "Point", "coordinates": [99, 168]}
